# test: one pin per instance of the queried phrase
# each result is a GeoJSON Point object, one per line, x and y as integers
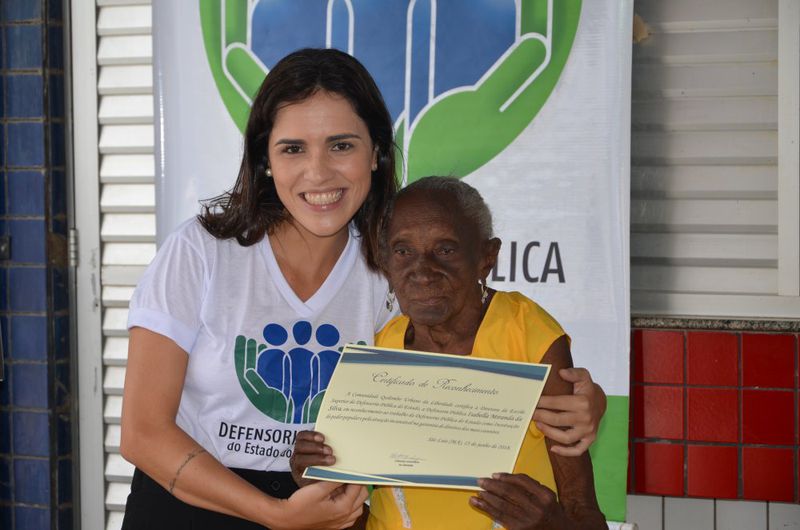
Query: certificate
{"type": "Point", "coordinates": [403, 418]}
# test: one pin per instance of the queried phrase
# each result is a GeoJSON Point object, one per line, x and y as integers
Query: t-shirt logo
{"type": "Point", "coordinates": [288, 383]}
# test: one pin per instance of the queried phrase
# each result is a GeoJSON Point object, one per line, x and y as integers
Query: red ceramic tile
{"type": "Point", "coordinates": [636, 353]}
{"type": "Point", "coordinates": [712, 358]}
{"type": "Point", "coordinates": [630, 468]}
{"type": "Point", "coordinates": [767, 474]}
{"type": "Point", "coordinates": [768, 417]}
{"type": "Point", "coordinates": [658, 412]}
{"type": "Point", "coordinates": [659, 468]}
{"type": "Point", "coordinates": [658, 356]}
{"type": "Point", "coordinates": [713, 414]}
{"type": "Point", "coordinates": [713, 472]}
{"type": "Point", "coordinates": [768, 360]}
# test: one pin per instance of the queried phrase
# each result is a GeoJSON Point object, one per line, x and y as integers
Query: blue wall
{"type": "Point", "coordinates": [35, 398]}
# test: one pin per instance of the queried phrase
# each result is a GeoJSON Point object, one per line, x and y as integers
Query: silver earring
{"type": "Point", "coordinates": [268, 172]}
{"type": "Point", "coordinates": [390, 300]}
{"type": "Point", "coordinates": [484, 293]}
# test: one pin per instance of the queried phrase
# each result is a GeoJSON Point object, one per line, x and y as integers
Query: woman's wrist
{"type": "Point", "coordinates": [271, 512]}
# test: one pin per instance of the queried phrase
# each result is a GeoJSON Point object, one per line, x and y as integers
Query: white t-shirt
{"type": "Point", "coordinates": [259, 357]}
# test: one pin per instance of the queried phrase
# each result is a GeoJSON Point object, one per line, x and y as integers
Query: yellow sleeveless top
{"type": "Point", "coordinates": [514, 329]}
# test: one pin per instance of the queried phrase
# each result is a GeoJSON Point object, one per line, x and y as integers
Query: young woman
{"type": "Point", "coordinates": [236, 325]}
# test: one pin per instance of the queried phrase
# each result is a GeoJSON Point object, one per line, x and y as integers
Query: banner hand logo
{"type": "Point", "coordinates": [471, 79]}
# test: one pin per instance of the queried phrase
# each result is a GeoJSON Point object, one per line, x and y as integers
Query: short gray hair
{"type": "Point", "coordinates": [466, 200]}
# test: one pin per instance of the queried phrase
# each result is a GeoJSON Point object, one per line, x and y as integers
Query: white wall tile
{"type": "Point", "coordinates": [784, 516]}
{"type": "Point", "coordinates": [741, 515]}
{"type": "Point", "coordinates": [645, 511]}
{"type": "Point", "coordinates": [680, 514]}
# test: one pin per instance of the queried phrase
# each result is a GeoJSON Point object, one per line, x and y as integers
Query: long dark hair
{"type": "Point", "coordinates": [252, 208]}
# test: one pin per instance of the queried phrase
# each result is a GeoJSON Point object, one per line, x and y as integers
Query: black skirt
{"type": "Point", "coordinates": [151, 507]}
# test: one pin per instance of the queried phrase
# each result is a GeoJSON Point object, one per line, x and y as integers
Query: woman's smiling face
{"type": "Point", "coordinates": [322, 157]}
{"type": "Point", "coordinates": [435, 259]}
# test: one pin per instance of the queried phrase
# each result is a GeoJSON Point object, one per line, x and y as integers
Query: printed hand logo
{"type": "Point", "coordinates": [287, 386]}
{"type": "Point", "coordinates": [461, 83]}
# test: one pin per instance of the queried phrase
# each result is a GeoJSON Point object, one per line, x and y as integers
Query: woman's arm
{"type": "Point", "coordinates": [153, 442]}
{"type": "Point", "coordinates": [572, 420]}
{"type": "Point", "coordinates": [519, 502]}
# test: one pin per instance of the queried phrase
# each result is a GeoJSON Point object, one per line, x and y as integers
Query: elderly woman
{"type": "Point", "coordinates": [438, 250]}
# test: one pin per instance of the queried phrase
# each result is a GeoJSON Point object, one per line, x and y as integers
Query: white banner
{"type": "Point", "coordinates": [527, 100]}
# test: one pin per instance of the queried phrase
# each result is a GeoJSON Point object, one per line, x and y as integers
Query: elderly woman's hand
{"type": "Point", "coordinates": [572, 421]}
{"type": "Point", "coordinates": [309, 450]}
{"type": "Point", "coordinates": [518, 502]}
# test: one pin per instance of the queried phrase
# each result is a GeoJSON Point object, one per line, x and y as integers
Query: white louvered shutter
{"type": "Point", "coordinates": [704, 168]}
{"type": "Point", "coordinates": [127, 207]}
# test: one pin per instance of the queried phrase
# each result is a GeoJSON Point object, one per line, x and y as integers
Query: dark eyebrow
{"type": "Point", "coordinates": [344, 136]}
{"type": "Point", "coordinates": [289, 141]}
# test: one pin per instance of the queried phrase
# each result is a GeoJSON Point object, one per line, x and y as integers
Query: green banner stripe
{"type": "Point", "coordinates": [610, 459]}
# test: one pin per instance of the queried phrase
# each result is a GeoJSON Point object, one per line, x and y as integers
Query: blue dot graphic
{"type": "Point", "coordinates": [302, 332]}
{"type": "Point", "coordinates": [275, 334]}
{"type": "Point", "coordinates": [327, 335]}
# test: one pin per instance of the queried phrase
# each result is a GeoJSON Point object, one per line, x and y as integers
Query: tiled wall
{"type": "Point", "coordinates": [714, 414]}
{"type": "Point", "coordinates": [685, 513]}
{"type": "Point", "coordinates": [35, 432]}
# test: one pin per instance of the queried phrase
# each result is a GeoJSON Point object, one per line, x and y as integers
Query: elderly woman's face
{"type": "Point", "coordinates": [435, 259]}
